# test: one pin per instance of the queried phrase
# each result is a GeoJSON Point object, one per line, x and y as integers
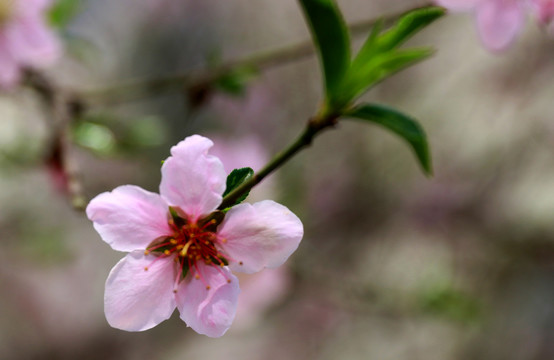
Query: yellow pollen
{"type": "Point", "coordinates": [185, 249]}
{"type": "Point", "coordinates": [222, 264]}
{"type": "Point", "coordinates": [208, 287]}
{"type": "Point", "coordinates": [179, 247]}
{"type": "Point", "coordinates": [146, 252]}
{"type": "Point", "coordinates": [228, 281]}
{"type": "Point", "coordinates": [224, 241]}
{"type": "Point", "coordinates": [213, 221]}
{"type": "Point", "coordinates": [207, 242]}
{"type": "Point", "coordinates": [197, 277]}
{"type": "Point", "coordinates": [176, 259]}
{"type": "Point", "coordinates": [173, 241]}
{"type": "Point", "coordinates": [146, 268]}
{"type": "Point", "coordinates": [167, 252]}
{"type": "Point", "coordinates": [240, 263]}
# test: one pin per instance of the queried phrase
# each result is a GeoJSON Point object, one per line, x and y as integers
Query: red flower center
{"type": "Point", "coordinates": [192, 242]}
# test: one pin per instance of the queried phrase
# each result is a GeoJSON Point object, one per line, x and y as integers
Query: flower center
{"type": "Point", "coordinates": [191, 243]}
{"type": "Point", "coordinates": [6, 11]}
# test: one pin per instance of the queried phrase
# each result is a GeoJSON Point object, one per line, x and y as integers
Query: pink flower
{"type": "Point", "coordinates": [498, 21]}
{"type": "Point", "coordinates": [182, 257]}
{"type": "Point", "coordinates": [25, 39]}
{"type": "Point", "coordinates": [543, 10]}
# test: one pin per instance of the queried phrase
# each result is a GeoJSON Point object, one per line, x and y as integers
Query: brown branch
{"type": "Point", "coordinates": [205, 78]}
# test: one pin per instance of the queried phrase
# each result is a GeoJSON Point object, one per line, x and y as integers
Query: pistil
{"type": "Point", "coordinates": [189, 244]}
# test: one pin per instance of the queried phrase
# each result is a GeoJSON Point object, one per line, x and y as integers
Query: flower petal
{"type": "Point", "coordinates": [137, 299]}
{"type": "Point", "coordinates": [209, 311]}
{"type": "Point", "coordinates": [459, 5]}
{"type": "Point", "coordinates": [261, 235]}
{"type": "Point", "coordinates": [192, 179]}
{"type": "Point", "coordinates": [499, 22]}
{"type": "Point", "coordinates": [129, 218]}
{"type": "Point", "coordinates": [10, 74]}
{"type": "Point", "coordinates": [32, 43]}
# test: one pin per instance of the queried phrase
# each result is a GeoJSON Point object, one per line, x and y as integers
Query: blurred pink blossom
{"type": "Point", "coordinates": [25, 39]}
{"type": "Point", "coordinates": [184, 260]}
{"type": "Point", "coordinates": [543, 10]}
{"type": "Point", "coordinates": [498, 21]}
{"type": "Point", "coordinates": [260, 291]}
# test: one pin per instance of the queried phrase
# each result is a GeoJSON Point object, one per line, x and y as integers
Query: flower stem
{"type": "Point", "coordinates": [314, 127]}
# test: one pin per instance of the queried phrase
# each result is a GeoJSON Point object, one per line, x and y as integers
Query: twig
{"type": "Point", "coordinates": [205, 78]}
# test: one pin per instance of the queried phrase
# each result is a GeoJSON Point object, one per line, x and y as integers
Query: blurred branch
{"type": "Point", "coordinates": [201, 81]}
{"type": "Point", "coordinates": [65, 107]}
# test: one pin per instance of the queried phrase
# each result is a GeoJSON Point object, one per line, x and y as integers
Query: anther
{"type": "Point", "coordinates": [197, 277]}
{"type": "Point", "coordinates": [167, 252]}
{"type": "Point", "coordinates": [146, 252]}
{"type": "Point", "coordinates": [146, 268]}
{"type": "Point", "coordinates": [208, 287]}
{"type": "Point", "coordinates": [173, 241]}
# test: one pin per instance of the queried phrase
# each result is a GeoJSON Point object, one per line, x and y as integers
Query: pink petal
{"type": "Point", "coordinates": [137, 299]}
{"type": "Point", "coordinates": [459, 5]}
{"type": "Point", "coordinates": [129, 218]}
{"type": "Point", "coordinates": [499, 22]}
{"type": "Point", "coordinates": [10, 72]}
{"type": "Point", "coordinates": [32, 43]}
{"type": "Point", "coordinates": [209, 312]}
{"type": "Point", "coordinates": [25, 7]}
{"type": "Point", "coordinates": [192, 179]}
{"type": "Point", "coordinates": [261, 235]}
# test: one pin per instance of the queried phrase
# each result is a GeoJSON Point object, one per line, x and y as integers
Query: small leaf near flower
{"type": "Point", "coordinates": [235, 178]}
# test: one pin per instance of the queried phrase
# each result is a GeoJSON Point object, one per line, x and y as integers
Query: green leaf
{"type": "Point", "coordinates": [235, 178]}
{"type": "Point", "coordinates": [95, 137]}
{"type": "Point", "coordinates": [399, 123]}
{"type": "Point", "coordinates": [381, 67]}
{"type": "Point", "coordinates": [408, 25]}
{"type": "Point", "coordinates": [379, 58]}
{"type": "Point", "coordinates": [368, 49]}
{"type": "Point", "coordinates": [331, 39]}
{"type": "Point", "coordinates": [63, 11]}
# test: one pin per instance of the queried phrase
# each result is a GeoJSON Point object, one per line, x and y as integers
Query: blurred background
{"type": "Point", "coordinates": [393, 265]}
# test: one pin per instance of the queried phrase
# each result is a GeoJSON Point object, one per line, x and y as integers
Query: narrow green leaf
{"type": "Point", "coordinates": [368, 49]}
{"type": "Point", "coordinates": [378, 58]}
{"type": "Point", "coordinates": [332, 41]}
{"type": "Point", "coordinates": [380, 67]}
{"type": "Point", "coordinates": [235, 178]}
{"type": "Point", "coordinates": [408, 25]}
{"type": "Point", "coordinates": [399, 123]}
